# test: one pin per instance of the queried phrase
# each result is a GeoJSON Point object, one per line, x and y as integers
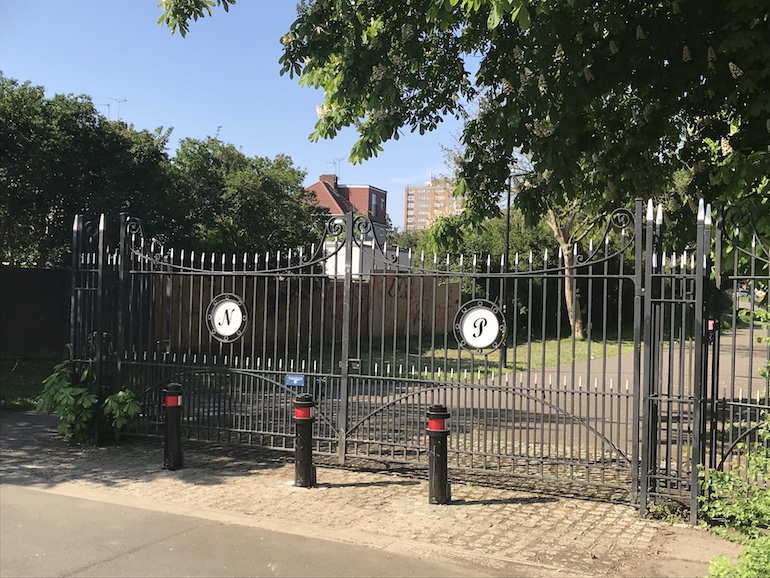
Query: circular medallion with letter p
{"type": "Point", "coordinates": [479, 325]}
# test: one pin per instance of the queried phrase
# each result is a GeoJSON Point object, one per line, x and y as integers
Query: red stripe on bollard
{"type": "Point", "coordinates": [303, 412]}
{"type": "Point", "coordinates": [173, 400]}
{"type": "Point", "coordinates": [436, 424]}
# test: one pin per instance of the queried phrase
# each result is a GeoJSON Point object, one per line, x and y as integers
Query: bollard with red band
{"type": "Point", "coordinates": [304, 470]}
{"type": "Point", "coordinates": [439, 490]}
{"type": "Point", "coordinates": [173, 458]}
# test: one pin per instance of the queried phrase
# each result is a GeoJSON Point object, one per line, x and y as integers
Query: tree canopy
{"type": "Point", "coordinates": [235, 203]}
{"type": "Point", "coordinates": [60, 157]}
{"type": "Point", "coordinates": [609, 100]}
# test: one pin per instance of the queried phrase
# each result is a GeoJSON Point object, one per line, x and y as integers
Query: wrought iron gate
{"type": "Point", "coordinates": [377, 335]}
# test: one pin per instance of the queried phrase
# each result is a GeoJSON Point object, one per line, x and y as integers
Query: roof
{"type": "Point", "coordinates": [329, 198]}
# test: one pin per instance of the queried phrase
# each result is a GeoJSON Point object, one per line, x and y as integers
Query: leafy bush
{"type": "Point", "coordinates": [740, 499]}
{"type": "Point", "coordinates": [73, 403]}
{"type": "Point", "coordinates": [754, 562]}
{"type": "Point", "coordinates": [121, 407]}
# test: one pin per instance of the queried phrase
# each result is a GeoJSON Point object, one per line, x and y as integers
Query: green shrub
{"type": "Point", "coordinates": [740, 499]}
{"type": "Point", "coordinates": [754, 562]}
{"type": "Point", "coordinates": [121, 407]}
{"type": "Point", "coordinates": [66, 394]}
{"type": "Point", "coordinates": [73, 403]}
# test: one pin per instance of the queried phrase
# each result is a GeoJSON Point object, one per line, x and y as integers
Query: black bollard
{"type": "Point", "coordinates": [304, 471]}
{"type": "Point", "coordinates": [173, 458]}
{"type": "Point", "coordinates": [439, 491]}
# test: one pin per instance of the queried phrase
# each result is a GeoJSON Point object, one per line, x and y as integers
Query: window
{"type": "Point", "coordinates": [373, 205]}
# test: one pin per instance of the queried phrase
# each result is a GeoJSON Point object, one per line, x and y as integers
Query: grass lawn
{"type": "Point", "coordinates": [21, 381]}
{"type": "Point", "coordinates": [534, 355]}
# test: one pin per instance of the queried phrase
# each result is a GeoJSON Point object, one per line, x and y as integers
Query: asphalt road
{"type": "Point", "coordinates": [43, 533]}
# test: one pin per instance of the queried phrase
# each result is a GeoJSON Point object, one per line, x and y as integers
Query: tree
{"type": "Point", "coordinates": [608, 99]}
{"type": "Point", "coordinates": [241, 204]}
{"type": "Point", "coordinates": [59, 157]}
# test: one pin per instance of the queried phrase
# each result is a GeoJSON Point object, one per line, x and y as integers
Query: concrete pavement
{"type": "Point", "coordinates": [485, 531]}
{"type": "Point", "coordinates": [48, 533]}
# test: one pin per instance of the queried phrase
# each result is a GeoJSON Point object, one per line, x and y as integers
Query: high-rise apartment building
{"type": "Point", "coordinates": [424, 204]}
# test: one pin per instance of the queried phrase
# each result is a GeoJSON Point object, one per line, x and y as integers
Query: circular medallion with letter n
{"type": "Point", "coordinates": [226, 317]}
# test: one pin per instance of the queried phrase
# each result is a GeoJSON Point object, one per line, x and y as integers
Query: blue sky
{"type": "Point", "coordinates": [223, 76]}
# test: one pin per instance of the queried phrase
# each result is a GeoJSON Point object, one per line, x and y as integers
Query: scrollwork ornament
{"type": "Point", "coordinates": [134, 231]}
{"type": "Point", "coordinates": [335, 227]}
{"type": "Point", "coordinates": [90, 229]}
{"type": "Point", "coordinates": [362, 226]}
{"type": "Point", "coordinates": [739, 217]}
{"type": "Point", "coordinates": [622, 219]}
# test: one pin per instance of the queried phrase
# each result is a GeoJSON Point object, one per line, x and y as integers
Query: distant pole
{"type": "Point", "coordinates": [504, 300]}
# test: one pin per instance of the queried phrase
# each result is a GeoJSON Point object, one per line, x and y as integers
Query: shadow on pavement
{"type": "Point", "coordinates": [33, 452]}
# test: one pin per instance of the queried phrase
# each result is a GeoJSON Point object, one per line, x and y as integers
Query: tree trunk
{"type": "Point", "coordinates": [561, 231]}
{"type": "Point", "coordinates": [571, 297]}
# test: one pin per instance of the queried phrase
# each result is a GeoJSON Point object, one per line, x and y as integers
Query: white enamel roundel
{"type": "Point", "coordinates": [226, 317]}
{"type": "Point", "coordinates": [479, 324]}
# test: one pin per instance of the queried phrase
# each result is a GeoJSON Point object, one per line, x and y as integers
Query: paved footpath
{"type": "Point", "coordinates": [501, 532]}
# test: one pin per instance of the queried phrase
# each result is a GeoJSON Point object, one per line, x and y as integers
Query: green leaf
{"type": "Point", "coordinates": [523, 18]}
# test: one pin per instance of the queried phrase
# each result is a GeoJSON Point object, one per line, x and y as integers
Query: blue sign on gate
{"type": "Point", "coordinates": [295, 379]}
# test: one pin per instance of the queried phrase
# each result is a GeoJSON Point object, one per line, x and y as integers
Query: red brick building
{"type": "Point", "coordinates": [365, 199]}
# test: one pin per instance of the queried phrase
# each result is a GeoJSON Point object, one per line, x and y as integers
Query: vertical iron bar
{"type": "Point", "coordinates": [101, 265]}
{"type": "Point", "coordinates": [647, 293]}
{"type": "Point", "coordinates": [346, 305]}
{"type": "Point", "coordinates": [700, 267]}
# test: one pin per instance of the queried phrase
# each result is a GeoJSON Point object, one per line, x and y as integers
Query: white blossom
{"type": "Point", "coordinates": [559, 54]}
{"type": "Point", "coordinates": [378, 72]}
{"type": "Point", "coordinates": [407, 31]}
{"type": "Point", "coordinates": [724, 144]}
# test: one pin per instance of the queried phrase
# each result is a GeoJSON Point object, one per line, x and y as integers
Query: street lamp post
{"type": "Point", "coordinates": [504, 300]}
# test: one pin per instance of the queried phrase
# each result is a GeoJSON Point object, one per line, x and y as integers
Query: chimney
{"type": "Point", "coordinates": [329, 180]}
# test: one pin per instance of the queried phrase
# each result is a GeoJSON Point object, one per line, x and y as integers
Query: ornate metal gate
{"type": "Point", "coordinates": [378, 334]}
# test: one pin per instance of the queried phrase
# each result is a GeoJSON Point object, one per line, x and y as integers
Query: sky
{"type": "Point", "coordinates": [223, 78]}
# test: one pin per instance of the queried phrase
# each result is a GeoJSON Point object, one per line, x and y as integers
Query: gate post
{"type": "Point", "coordinates": [701, 344]}
{"type": "Point", "coordinates": [637, 374]}
{"type": "Point", "coordinates": [345, 352]}
{"type": "Point", "coordinates": [99, 352]}
{"type": "Point", "coordinates": [123, 269]}
{"type": "Point", "coordinates": [649, 412]}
